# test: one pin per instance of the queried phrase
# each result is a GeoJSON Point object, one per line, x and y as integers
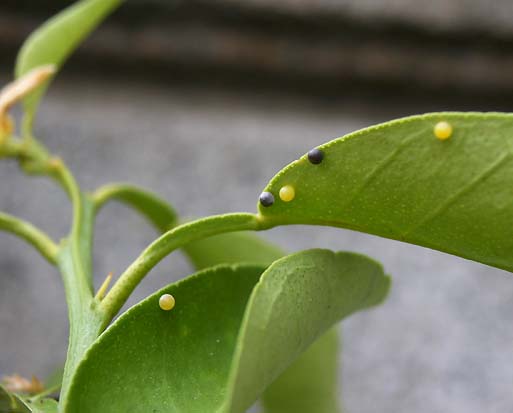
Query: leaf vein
{"type": "Point", "coordinates": [374, 172]}
{"type": "Point", "coordinates": [496, 165]}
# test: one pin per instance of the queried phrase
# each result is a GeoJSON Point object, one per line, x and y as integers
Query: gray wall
{"type": "Point", "coordinates": [441, 343]}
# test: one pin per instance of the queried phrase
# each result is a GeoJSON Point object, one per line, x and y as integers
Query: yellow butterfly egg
{"type": "Point", "coordinates": [443, 130]}
{"type": "Point", "coordinates": [287, 193]}
{"type": "Point", "coordinates": [166, 302]}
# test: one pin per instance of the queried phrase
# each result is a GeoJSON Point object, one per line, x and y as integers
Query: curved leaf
{"type": "Point", "coordinates": [399, 181]}
{"type": "Point", "coordinates": [155, 209]}
{"type": "Point", "coordinates": [174, 361]}
{"type": "Point", "coordinates": [56, 39]}
{"type": "Point", "coordinates": [216, 351]}
{"type": "Point", "coordinates": [309, 385]}
{"type": "Point", "coordinates": [297, 299]}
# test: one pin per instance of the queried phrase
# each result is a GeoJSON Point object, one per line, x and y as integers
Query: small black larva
{"type": "Point", "coordinates": [315, 156]}
{"type": "Point", "coordinates": [266, 199]}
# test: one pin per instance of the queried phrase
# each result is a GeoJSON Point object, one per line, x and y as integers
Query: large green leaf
{"type": "Point", "coordinates": [399, 181]}
{"type": "Point", "coordinates": [230, 335]}
{"type": "Point", "coordinates": [310, 384]}
{"type": "Point", "coordinates": [298, 298]}
{"type": "Point", "coordinates": [55, 40]}
{"type": "Point", "coordinates": [174, 361]}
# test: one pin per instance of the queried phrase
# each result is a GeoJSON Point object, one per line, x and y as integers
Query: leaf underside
{"type": "Point", "coordinates": [399, 181]}
{"type": "Point", "coordinates": [232, 333]}
{"type": "Point", "coordinates": [310, 384]}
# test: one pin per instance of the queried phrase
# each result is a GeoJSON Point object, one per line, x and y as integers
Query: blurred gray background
{"type": "Point", "coordinates": [203, 102]}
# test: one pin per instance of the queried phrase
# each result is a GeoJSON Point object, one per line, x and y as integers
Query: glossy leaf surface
{"type": "Point", "coordinates": [216, 350]}
{"type": "Point", "coordinates": [399, 181]}
{"type": "Point", "coordinates": [55, 40]}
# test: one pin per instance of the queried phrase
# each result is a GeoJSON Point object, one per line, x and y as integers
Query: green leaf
{"type": "Point", "coordinates": [55, 40]}
{"type": "Point", "coordinates": [231, 248]}
{"type": "Point", "coordinates": [155, 209]}
{"type": "Point", "coordinates": [399, 181]}
{"type": "Point", "coordinates": [310, 383]}
{"type": "Point", "coordinates": [174, 361]}
{"type": "Point", "coordinates": [298, 298]}
{"type": "Point", "coordinates": [230, 335]}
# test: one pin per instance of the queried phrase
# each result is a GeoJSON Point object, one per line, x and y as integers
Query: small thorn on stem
{"type": "Point", "coordinates": [103, 289]}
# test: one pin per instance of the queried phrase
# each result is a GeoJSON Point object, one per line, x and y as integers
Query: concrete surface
{"type": "Point", "coordinates": [441, 343]}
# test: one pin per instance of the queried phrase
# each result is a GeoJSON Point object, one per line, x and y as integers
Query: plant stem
{"type": "Point", "coordinates": [73, 257]}
{"type": "Point", "coordinates": [31, 234]}
{"type": "Point", "coordinates": [75, 264]}
{"type": "Point", "coordinates": [164, 245]}
{"type": "Point", "coordinates": [84, 318]}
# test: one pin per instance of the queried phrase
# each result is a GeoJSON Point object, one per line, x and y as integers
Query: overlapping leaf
{"type": "Point", "coordinates": [231, 334]}
{"type": "Point", "coordinates": [310, 384]}
{"type": "Point", "coordinates": [399, 181]}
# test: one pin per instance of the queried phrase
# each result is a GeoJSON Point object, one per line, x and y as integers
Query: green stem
{"type": "Point", "coordinates": [84, 318]}
{"type": "Point", "coordinates": [167, 243]}
{"type": "Point", "coordinates": [31, 234]}
{"type": "Point", "coordinates": [73, 257]}
{"type": "Point", "coordinates": [75, 263]}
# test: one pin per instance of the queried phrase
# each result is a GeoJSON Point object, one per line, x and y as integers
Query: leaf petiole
{"type": "Point", "coordinates": [167, 243]}
{"type": "Point", "coordinates": [34, 236]}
